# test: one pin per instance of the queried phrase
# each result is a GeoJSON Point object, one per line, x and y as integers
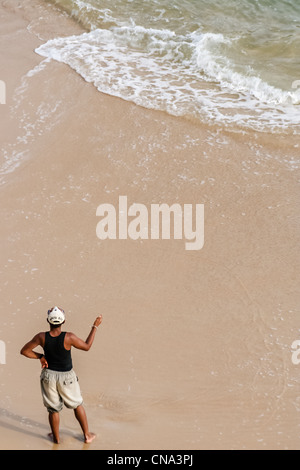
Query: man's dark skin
{"type": "Point", "coordinates": [69, 341]}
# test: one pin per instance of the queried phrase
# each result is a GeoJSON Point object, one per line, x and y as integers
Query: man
{"type": "Point", "coordinates": [59, 384]}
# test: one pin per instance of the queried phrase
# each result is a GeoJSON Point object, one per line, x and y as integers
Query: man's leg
{"type": "Point", "coordinates": [82, 419]}
{"type": "Point", "coordinates": [54, 424]}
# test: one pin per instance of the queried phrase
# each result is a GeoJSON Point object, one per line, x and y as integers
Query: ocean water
{"type": "Point", "coordinates": [235, 63]}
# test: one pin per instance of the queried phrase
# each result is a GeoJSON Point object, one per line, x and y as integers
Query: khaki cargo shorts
{"type": "Point", "coordinates": [60, 388]}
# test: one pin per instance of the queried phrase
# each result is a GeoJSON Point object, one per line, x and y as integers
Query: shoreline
{"type": "Point", "coordinates": [194, 350]}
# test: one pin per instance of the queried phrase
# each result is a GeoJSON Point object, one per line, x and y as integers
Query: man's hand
{"type": "Point", "coordinates": [98, 321]}
{"type": "Point", "coordinates": [44, 363]}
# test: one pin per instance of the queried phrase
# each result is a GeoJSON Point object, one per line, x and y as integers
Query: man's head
{"type": "Point", "coordinates": [56, 316]}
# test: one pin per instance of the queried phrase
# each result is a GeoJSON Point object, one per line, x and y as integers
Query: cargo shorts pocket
{"type": "Point", "coordinates": [44, 378]}
{"type": "Point", "coordinates": [70, 381]}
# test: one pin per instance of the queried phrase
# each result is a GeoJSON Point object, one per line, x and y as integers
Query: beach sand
{"type": "Point", "coordinates": [194, 351]}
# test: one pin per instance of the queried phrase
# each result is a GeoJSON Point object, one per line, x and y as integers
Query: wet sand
{"type": "Point", "coordinates": [194, 351]}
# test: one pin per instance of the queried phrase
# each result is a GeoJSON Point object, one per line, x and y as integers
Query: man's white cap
{"type": "Point", "coordinates": [56, 316]}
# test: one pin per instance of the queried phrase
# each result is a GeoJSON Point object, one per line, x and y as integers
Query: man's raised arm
{"type": "Point", "coordinates": [78, 343]}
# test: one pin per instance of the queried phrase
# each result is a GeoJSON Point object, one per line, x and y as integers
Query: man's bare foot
{"type": "Point", "coordinates": [89, 437]}
{"type": "Point", "coordinates": [50, 435]}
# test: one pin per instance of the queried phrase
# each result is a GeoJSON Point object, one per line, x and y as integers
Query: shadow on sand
{"type": "Point", "coordinates": [29, 427]}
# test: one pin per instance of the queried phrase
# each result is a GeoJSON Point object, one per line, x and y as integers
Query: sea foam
{"type": "Point", "coordinates": [185, 75]}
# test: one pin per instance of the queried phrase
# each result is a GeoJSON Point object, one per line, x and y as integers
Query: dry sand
{"type": "Point", "coordinates": [194, 351]}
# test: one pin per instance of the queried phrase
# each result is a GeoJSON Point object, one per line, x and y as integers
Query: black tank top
{"type": "Point", "coordinates": [56, 355]}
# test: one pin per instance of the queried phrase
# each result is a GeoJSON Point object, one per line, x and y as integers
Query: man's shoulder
{"type": "Point", "coordinates": [69, 338]}
{"type": "Point", "coordinates": [39, 338]}
{"type": "Point", "coordinates": [41, 334]}
{"type": "Point", "coordinates": [69, 334]}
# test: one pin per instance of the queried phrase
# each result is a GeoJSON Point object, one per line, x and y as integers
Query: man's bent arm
{"type": "Point", "coordinates": [85, 345]}
{"type": "Point", "coordinates": [27, 349]}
